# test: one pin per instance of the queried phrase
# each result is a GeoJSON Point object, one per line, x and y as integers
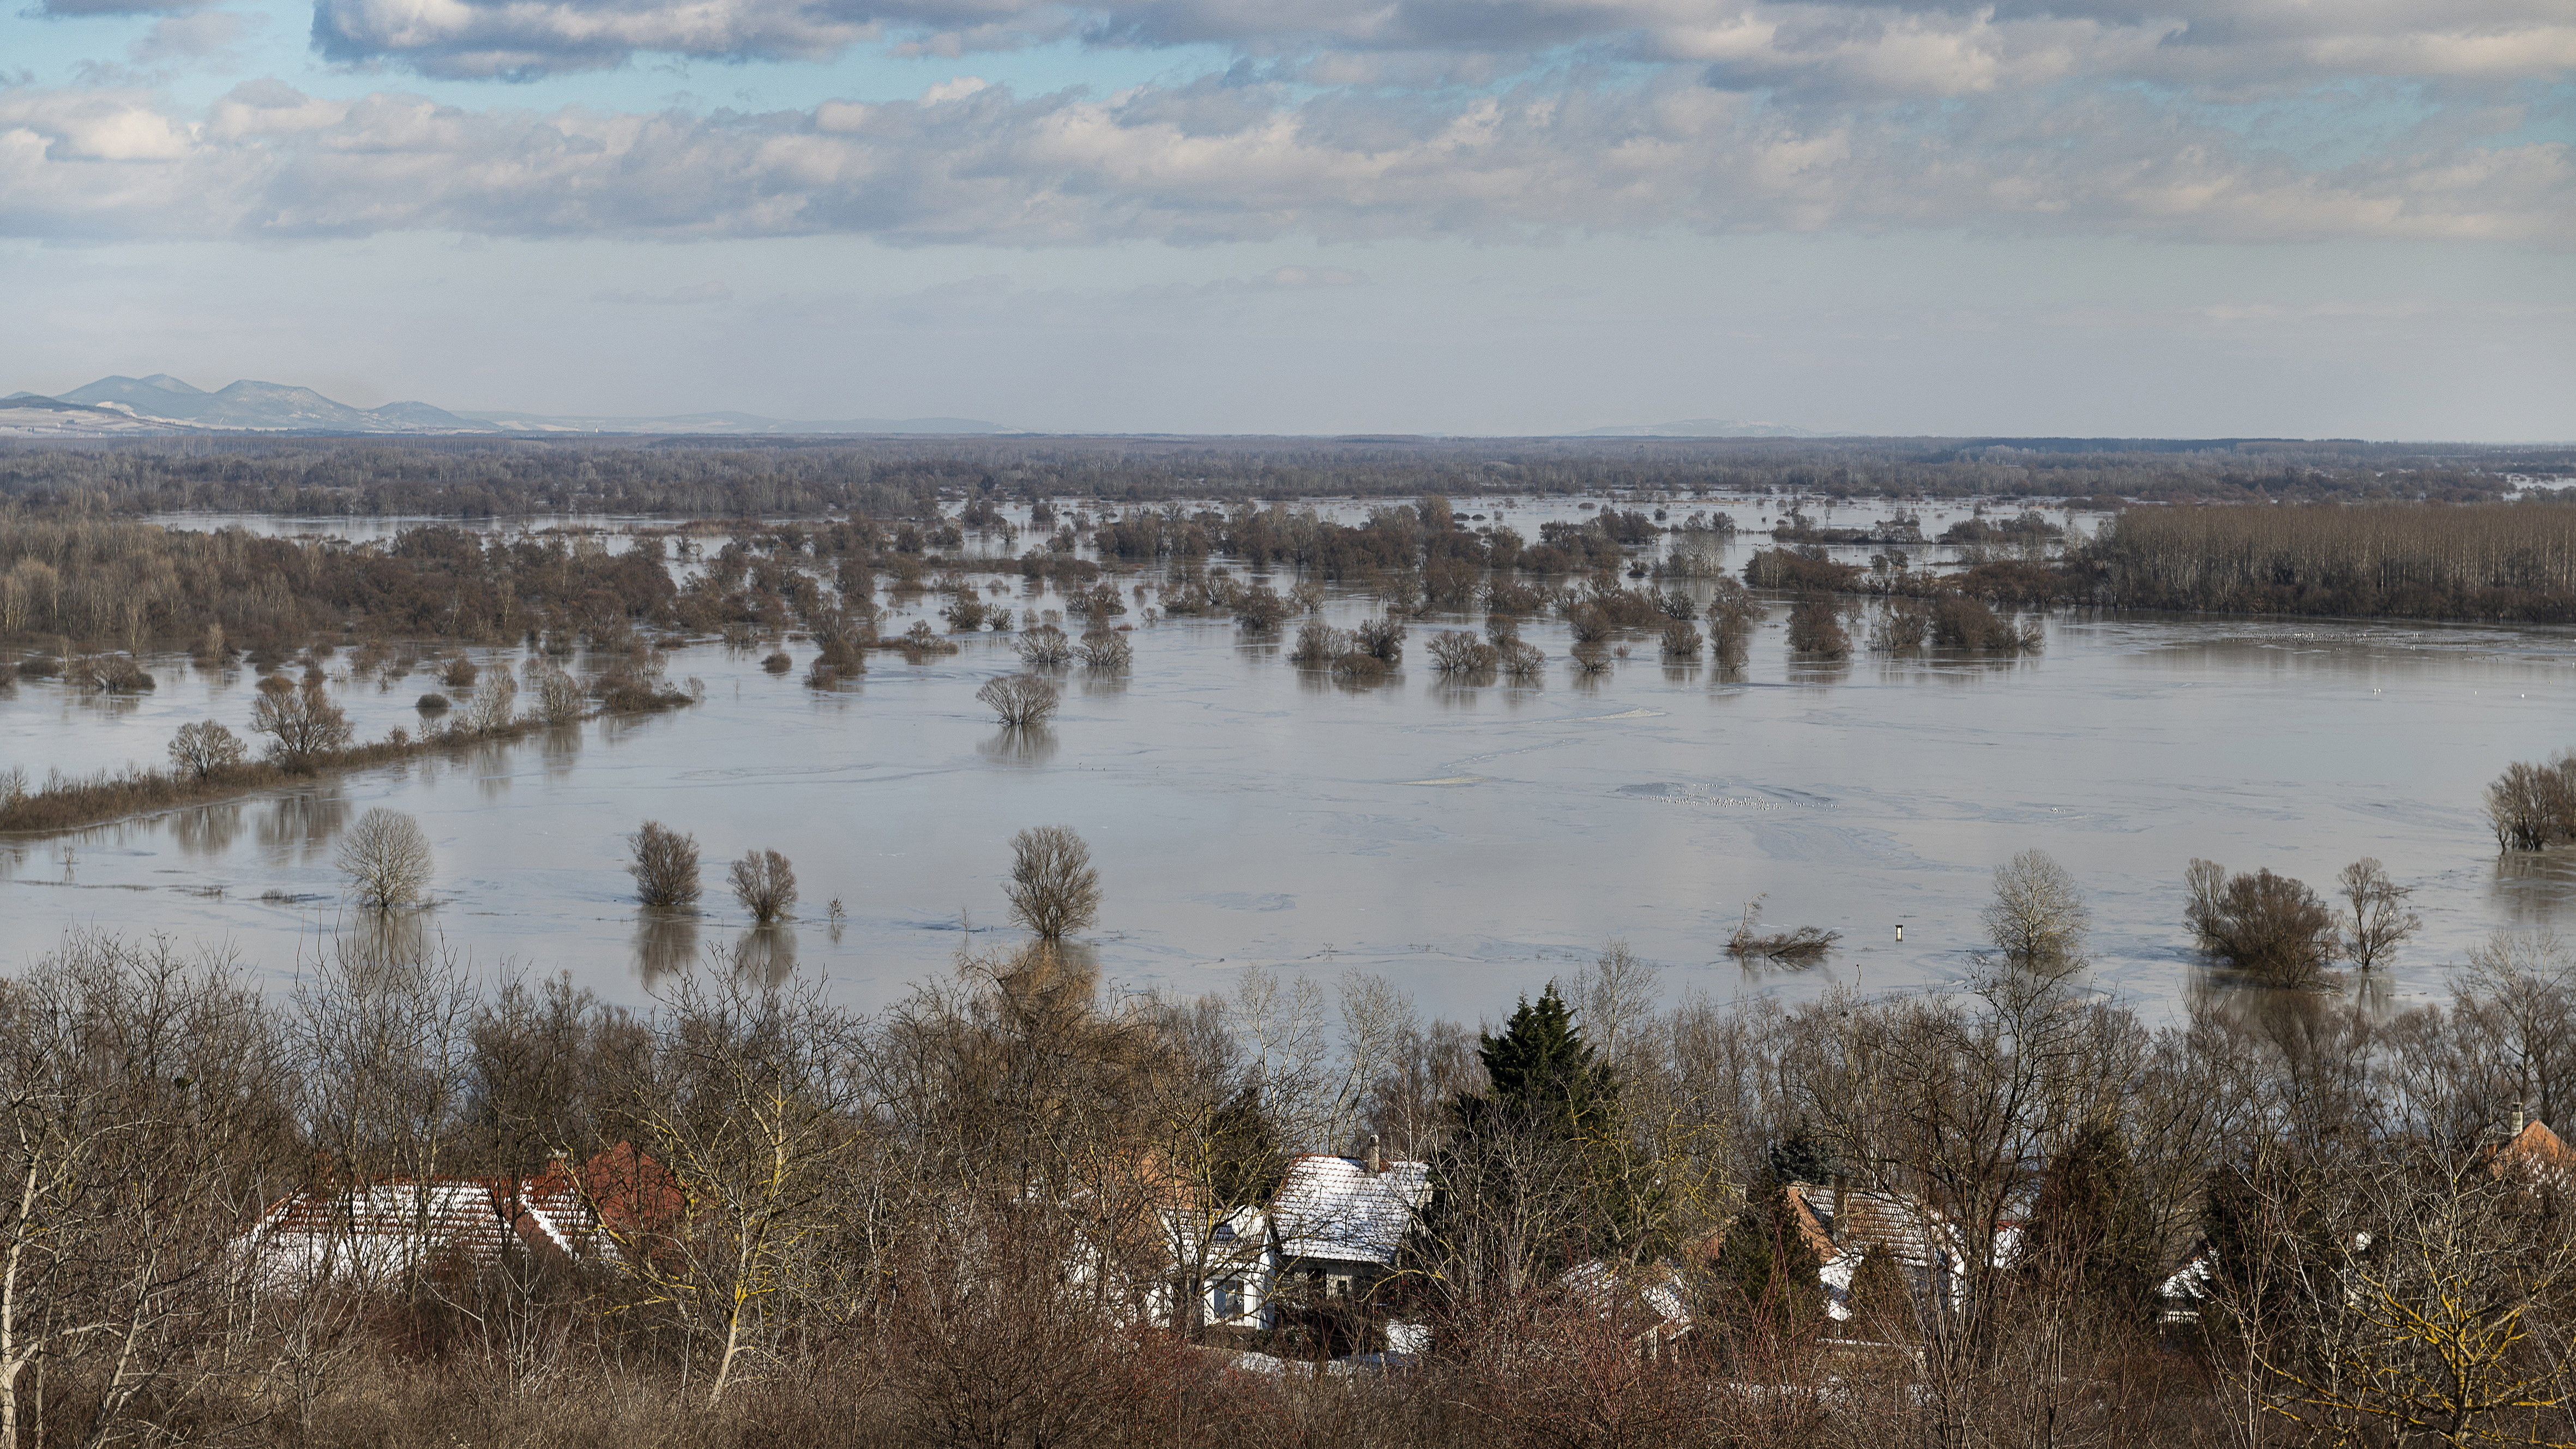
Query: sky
{"type": "Point", "coordinates": [2077, 217]}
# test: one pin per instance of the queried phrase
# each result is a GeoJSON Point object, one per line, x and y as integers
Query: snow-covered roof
{"type": "Point", "coordinates": [1334, 1207]}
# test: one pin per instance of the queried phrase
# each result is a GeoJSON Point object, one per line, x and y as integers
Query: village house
{"type": "Point", "coordinates": [393, 1227]}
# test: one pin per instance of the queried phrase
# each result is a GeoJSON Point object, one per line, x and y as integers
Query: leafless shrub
{"type": "Point", "coordinates": [1589, 623]}
{"type": "Point", "coordinates": [965, 613]}
{"type": "Point", "coordinates": [432, 703]}
{"type": "Point", "coordinates": [1261, 610]}
{"type": "Point", "coordinates": [1318, 645]}
{"type": "Point", "coordinates": [1590, 657]}
{"type": "Point", "coordinates": [764, 883]}
{"type": "Point", "coordinates": [2268, 926]}
{"type": "Point", "coordinates": [459, 673]}
{"type": "Point", "coordinates": [386, 857]}
{"type": "Point", "coordinates": [1045, 647]}
{"type": "Point", "coordinates": [494, 705]}
{"type": "Point", "coordinates": [1816, 629]}
{"type": "Point", "coordinates": [1520, 659]}
{"type": "Point", "coordinates": [1053, 890]}
{"type": "Point", "coordinates": [1681, 641]}
{"type": "Point", "coordinates": [1798, 947]}
{"type": "Point", "coordinates": [1020, 700]}
{"type": "Point", "coordinates": [1361, 668]}
{"type": "Point", "coordinates": [1106, 651]}
{"type": "Point", "coordinates": [204, 748]}
{"type": "Point", "coordinates": [1459, 652]}
{"type": "Point", "coordinates": [665, 866]}
{"type": "Point", "coordinates": [1904, 628]}
{"type": "Point", "coordinates": [1959, 622]}
{"type": "Point", "coordinates": [1380, 639]}
{"type": "Point", "coordinates": [115, 673]}
{"type": "Point", "coordinates": [560, 697]}
{"type": "Point", "coordinates": [778, 662]}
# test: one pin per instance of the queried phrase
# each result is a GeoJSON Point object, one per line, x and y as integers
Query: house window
{"type": "Point", "coordinates": [1229, 1297]}
{"type": "Point", "coordinates": [1225, 1232]}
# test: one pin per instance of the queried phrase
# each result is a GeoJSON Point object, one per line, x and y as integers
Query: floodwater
{"type": "Point", "coordinates": [1468, 841]}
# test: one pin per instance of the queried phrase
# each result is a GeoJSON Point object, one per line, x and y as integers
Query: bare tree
{"type": "Point", "coordinates": [2378, 921]}
{"type": "Point", "coordinates": [2265, 925]}
{"type": "Point", "coordinates": [1053, 887]}
{"type": "Point", "coordinates": [206, 747]}
{"type": "Point", "coordinates": [1022, 700]}
{"type": "Point", "coordinates": [765, 884]}
{"type": "Point", "coordinates": [386, 857]}
{"type": "Point", "coordinates": [2038, 918]}
{"type": "Point", "coordinates": [742, 1100]}
{"type": "Point", "coordinates": [302, 724]}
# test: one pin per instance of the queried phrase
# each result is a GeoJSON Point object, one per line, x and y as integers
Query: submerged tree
{"type": "Point", "coordinates": [765, 884]}
{"type": "Point", "coordinates": [1053, 888]}
{"type": "Point", "coordinates": [386, 857]}
{"type": "Point", "coordinates": [664, 864]}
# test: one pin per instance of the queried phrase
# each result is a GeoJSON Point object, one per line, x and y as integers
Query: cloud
{"type": "Point", "coordinates": [1578, 154]}
{"type": "Point", "coordinates": [204, 34]}
{"type": "Point", "coordinates": [77, 9]}
{"type": "Point", "coordinates": [694, 294]}
{"type": "Point", "coordinates": [1908, 47]}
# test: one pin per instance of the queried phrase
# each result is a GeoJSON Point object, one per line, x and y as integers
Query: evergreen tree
{"type": "Point", "coordinates": [1543, 1071]}
{"type": "Point", "coordinates": [1881, 1304]}
{"type": "Point", "coordinates": [1244, 1160]}
{"type": "Point", "coordinates": [2089, 1231]}
{"type": "Point", "coordinates": [1766, 1271]}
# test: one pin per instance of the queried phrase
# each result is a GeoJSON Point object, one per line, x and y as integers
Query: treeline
{"type": "Point", "coordinates": [898, 477]}
{"type": "Point", "coordinates": [2499, 561]}
{"type": "Point", "coordinates": [988, 1215]}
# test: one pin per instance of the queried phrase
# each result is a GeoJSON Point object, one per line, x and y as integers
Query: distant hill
{"type": "Point", "coordinates": [165, 404]}
{"type": "Point", "coordinates": [1701, 428]}
{"type": "Point", "coordinates": [266, 407]}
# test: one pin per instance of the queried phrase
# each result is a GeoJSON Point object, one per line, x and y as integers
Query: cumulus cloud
{"type": "Point", "coordinates": [1176, 165]}
{"type": "Point", "coordinates": [201, 35]}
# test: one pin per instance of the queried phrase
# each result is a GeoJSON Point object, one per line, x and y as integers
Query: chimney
{"type": "Point", "coordinates": [2519, 1121]}
{"type": "Point", "coordinates": [1842, 1190]}
{"type": "Point", "coordinates": [1376, 1156]}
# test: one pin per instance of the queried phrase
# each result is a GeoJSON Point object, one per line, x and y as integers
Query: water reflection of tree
{"type": "Point", "coordinates": [666, 942]}
{"type": "Point", "coordinates": [766, 953]}
{"type": "Point", "coordinates": [208, 829]}
{"type": "Point", "coordinates": [1023, 748]}
{"type": "Point", "coordinates": [300, 826]}
{"type": "Point", "coordinates": [2533, 884]}
{"type": "Point", "coordinates": [562, 750]}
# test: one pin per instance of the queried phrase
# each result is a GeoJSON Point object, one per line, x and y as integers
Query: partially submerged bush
{"type": "Point", "coordinates": [1959, 622]}
{"type": "Point", "coordinates": [765, 884]}
{"type": "Point", "coordinates": [1816, 628]}
{"type": "Point", "coordinates": [664, 864]}
{"type": "Point", "coordinates": [1380, 639]}
{"type": "Point", "coordinates": [1681, 641]}
{"type": "Point", "coordinates": [432, 703]}
{"type": "Point", "coordinates": [115, 673]}
{"type": "Point", "coordinates": [1590, 657]}
{"type": "Point", "coordinates": [459, 673]}
{"type": "Point", "coordinates": [2268, 926]}
{"type": "Point", "coordinates": [1259, 609]}
{"type": "Point", "coordinates": [1106, 651]}
{"type": "Point", "coordinates": [1459, 652]}
{"type": "Point", "coordinates": [778, 662]}
{"type": "Point", "coordinates": [919, 641]}
{"type": "Point", "coordinates": [1045, 647]}
{"type": "Point", "coordinates": [1020, 700]}
{"type": "Point", "coordinates": [1319, 645]}
{"type": "Point", "coordinates": [1520, 659]}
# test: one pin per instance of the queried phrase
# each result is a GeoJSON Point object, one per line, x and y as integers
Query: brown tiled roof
{"type": "Point", "coordinates": [393, 1225]}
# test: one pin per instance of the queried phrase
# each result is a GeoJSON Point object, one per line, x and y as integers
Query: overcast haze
{"type": "Point", "coordinates": [2160, 217]}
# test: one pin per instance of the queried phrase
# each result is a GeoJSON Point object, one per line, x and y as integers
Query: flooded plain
{"type": "Point", "coordinates": [1469, 841]}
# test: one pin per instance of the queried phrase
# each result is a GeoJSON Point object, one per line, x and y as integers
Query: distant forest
{"type": "Point", "coordinates": [898, 477]}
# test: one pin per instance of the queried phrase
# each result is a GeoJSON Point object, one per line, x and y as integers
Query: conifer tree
{"type": "Point", "coordinates": [2089, 1231]}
